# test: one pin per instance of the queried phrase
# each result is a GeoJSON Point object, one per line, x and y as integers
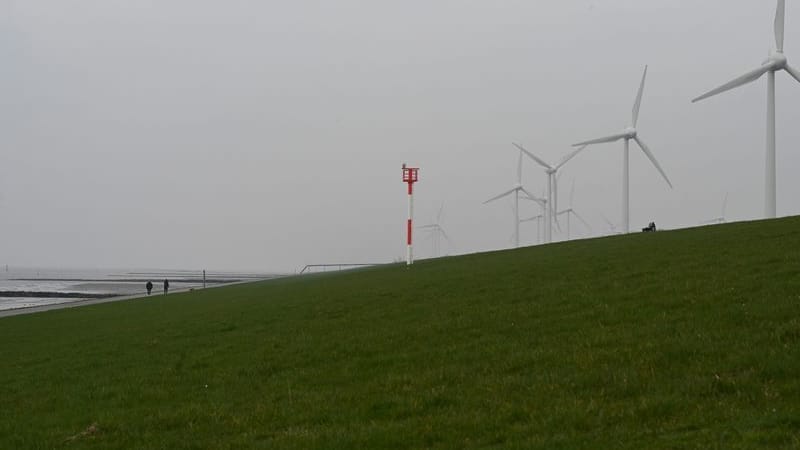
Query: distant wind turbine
{"type": "Point", "coordinates": [538, 219]}
{"type": "Point", "coordinates": [515, 191]}
{"type": "Point", "coordinates": [627, 135]}
{"type": "Point", "coordinates": [776, 62]}
{"type": "Point", "coordinates": [571, 212]}
{"type": "Point", "coordinates": [552, 187]}
{"type": "Point", "coordinates": [437, 233]}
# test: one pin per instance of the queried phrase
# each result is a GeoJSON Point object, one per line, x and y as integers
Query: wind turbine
{"type": "Point", "coordinates": [776, 62]}
{"type": "Point", "coordinates": [437, 232]}
{"type": "Point", "coordinates": [515, 190]}
{"type": "Point", "coordinates": [542, 202]}
{"type": "Point", "coordinates": [720, 219]}
{"type": "Point", "coordinates": [627, 135]}
{"type": "Point", "coordinates": [538, 219]}
{"type": "Point", "coordinates": [552, 187]}
{"type": "Point", "coordinates": [571, 212]}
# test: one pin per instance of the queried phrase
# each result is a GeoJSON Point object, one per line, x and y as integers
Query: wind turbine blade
{"type": "Point", "coordinates": [533, 197]}
{"type": "Point", "coordinates": [589, 227]}
{"type": "Point", "coordinates": [749, 77]}
{"type": "Point", "coordinates": [509, 192]}
{"type": "Point", "coordinates": [610, 225]}
{"type": "Point", "coordinates": [446, 237]}
{"type": "Point", "coordinates": [531, 219]}
{"type": "Point", "coordinates": [602, 140]}
{"type": "Point", "coordinates": [519, 168]}
{"type": "Point", "coordinates": [439, 216]}
{"type": "Point", "coordinates": [780, 18]}
{"type": "Point", "coordinates": [652, 158]}
{"type": "Point", "coordinates": [426, 227]}
{"type": "Point", "coordinates": [793, 72]}
{"type": "Point", "coordinates": [532, 156]}
{"type": "Point", "coordinates": [450, 244]}
{"type": "Point", "coordinates": [638, 102]}
{"type": "Point", "coordinates": [570, 156]}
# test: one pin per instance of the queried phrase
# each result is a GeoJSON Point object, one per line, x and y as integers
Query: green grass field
{"type": "Point", "coordinates": [684, 339]}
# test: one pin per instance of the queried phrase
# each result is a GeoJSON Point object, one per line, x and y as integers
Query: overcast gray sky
{"type": "Point", "coordinates": [266, 135]}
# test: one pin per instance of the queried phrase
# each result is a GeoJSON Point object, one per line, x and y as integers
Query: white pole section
{"type": "Point", "coordinates": [516, 222]}
{"type": "Point", "coordinates": [626, 217]}
{"type": "Point", "coordinates": [770, 203]}
{"type": "Point", "coordinates": [548, 212]}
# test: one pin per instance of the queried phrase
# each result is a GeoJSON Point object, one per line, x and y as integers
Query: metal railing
{"type": "Point", "coordinates": [339, 266]}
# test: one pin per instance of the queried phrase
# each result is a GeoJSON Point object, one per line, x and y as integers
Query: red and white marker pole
{"type": "Point", "coordinates": [410, 176]}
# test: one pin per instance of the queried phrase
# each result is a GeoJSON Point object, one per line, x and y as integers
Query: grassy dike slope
{"type": "Point", "coordinates": [684, 339]}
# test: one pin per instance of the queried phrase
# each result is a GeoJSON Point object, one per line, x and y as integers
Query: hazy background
{"type": "Point", "coordinates": [266, 135]}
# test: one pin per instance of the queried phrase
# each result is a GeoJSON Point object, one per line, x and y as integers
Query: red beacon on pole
{"type": "Point", "coordinates": [410, 176]}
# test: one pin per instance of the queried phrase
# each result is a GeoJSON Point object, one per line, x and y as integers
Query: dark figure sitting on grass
{"type": "Point", "coordinates": [149, 287]}
{"type": "Point", "coordinates": [166, 286]}
{"type": "Point", "coordinates": [650, 228]}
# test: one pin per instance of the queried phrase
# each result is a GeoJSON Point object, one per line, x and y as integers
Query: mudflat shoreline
{"type": "Point", "coordinates": [134, 280]}
{"type": "Point", "coordinates": [52, 294]}
{"type": "Point", "coordinates": [113, 298]}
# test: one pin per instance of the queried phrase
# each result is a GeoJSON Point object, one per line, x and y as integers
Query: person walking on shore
{"type": "Point", "coordinates": [166, 286]}
{"type": "Point", "coordinates": [149, 287]}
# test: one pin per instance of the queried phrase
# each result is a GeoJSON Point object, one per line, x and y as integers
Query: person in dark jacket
{"type": "Point", "coordinates": [166, 286]}
{"type": "Point", "coordinates": [149, 287]}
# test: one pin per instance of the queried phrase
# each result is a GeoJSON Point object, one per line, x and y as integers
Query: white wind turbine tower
{"type": "Point", "coordinates": [627, 135]}
{"type": "Point", "coordinates": [515, 190]}
{"type": "Point", "coordinates": [552, 187]}
{"type": "Point", "coordinates": [538, 219]}
{"type": "Point", "coordinates": [571, 212]}
{"type": "Point", "coordinates": [437, 233]}
{"type": "Point", "coordinates": [776, 62]}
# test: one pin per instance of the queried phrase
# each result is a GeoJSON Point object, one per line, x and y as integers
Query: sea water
{"type": "Point", "coordinates": [91, 282]}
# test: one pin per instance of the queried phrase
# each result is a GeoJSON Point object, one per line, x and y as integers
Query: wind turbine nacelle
{"type": "Point", "coordinates": [777, 60]}
{"type": "Point", "coordinates": [630, 133]}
